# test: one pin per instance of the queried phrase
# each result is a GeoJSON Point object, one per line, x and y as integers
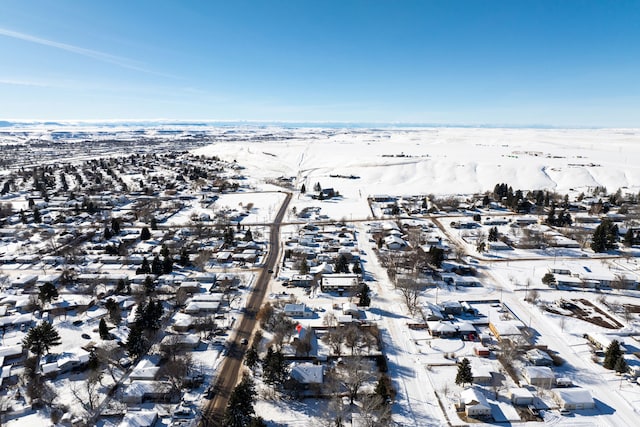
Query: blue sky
{"type": "Point", "coordinates": [558, 63]}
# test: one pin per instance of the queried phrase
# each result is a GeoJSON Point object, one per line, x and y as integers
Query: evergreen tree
{"type": "Point", "coordinates": [41, 338]}
{"type": "Point", "coordinates": [149, 285]}
{"type": "Point", "coordinates": [621, 365]}
{"type": "Point", "coordinates": [436, 256]}
{"type": "Point", "coordinates": [47, 292]}
{"type": "Point", "coordinates": [107, 233]}
{"type": "Point", "coordinates": [248, 236]}
{"type": "Point", "coordinates": [274, 368]}
{"type": "Point", "coordinates": [145, 268]}
{"type": "Point", "coordinates": [356, 269]}
{"type": "Point", "coordinates": [167, 265]}
{"type": "Point", "coordinates": [184, 257]}
{"type": "Point", "coordinates": [239, 411]}
{"type": "Point", "coordinates": [551, 217]}
{"type": "Point", "coordinates": [384, 388]}
{"type": "Point", "coordinates": [156, 266]}
{"type": "Point", "coordinates": [493, 234]}
{"type": "Point", "coordinates": [342, 265]}
{"type": "Point", "coordinates": [365, 299]}
{"type": "Point", "coordinates": [103, 330]}
{"type": "Point", "coordinates": [464, 375]}
{"type": "Point", "coordinates": [145, 234]}
{"type": "Point", "coordinates": [113, 308]}
{"type": "Point", "coordinates": [37, 217]}
{"type": "Point", "coordinates": [549, 279]}
{"type": "Point", "coordinates": [228, 236]}
{"type": "Point", "coordinates": [605, 236]}
{"type": "Point", "coordinates": [154, 223]}
{"type": "Point", "coordinates": [120, 287]}
{"type": "Point", "coordinates": [164, 251]}
{"type": "Point", "coordinates": [136, 342]}
{"type": "Point", "coordinates": [303, 189]}
{"type": "Point", "coordinates": [115, 225]}
{"type": "Point", "coordinates": [628, 237]}
{"type": "Point", "coordinates": [251, 358]}
{"type": "Point", "coordinates": [613, 353]}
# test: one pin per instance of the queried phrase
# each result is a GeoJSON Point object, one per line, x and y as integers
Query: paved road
{"type": "Point", "coordinates": [229, 371]}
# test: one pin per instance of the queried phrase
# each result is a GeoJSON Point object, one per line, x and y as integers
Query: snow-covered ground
{"type": "Point", "coordinates": [441, 161]}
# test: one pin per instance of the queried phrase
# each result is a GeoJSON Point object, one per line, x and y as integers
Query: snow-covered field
{"type": "Point", "coordinates": [444, 160]}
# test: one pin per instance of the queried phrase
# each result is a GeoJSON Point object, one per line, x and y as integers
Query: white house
{"type": "Point", "coordinates": [339, 282]}
{"type": "Point", "coordinates": [541, 376]}
{"type": "Point", "coordinates": [144, 370]}
{"type": "Point", "coordinates": [142, 418]}
{"type": "Point", "coordinates": [297, 310]}
{"type": "Point", "coordinates": [308, 373]}
{"type": "Point", "coordinates": [520, 396]}
{"type": "Point", "coordinates": [573, 398]}
{"type": "Point", "coordinates": [475, 404]}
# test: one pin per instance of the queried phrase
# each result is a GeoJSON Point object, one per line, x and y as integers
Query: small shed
{"type": "Point", "coordinates": [520, 396]}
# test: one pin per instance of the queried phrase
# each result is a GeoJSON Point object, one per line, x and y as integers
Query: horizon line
{"type": "Point", "coordinates": [301, 123]}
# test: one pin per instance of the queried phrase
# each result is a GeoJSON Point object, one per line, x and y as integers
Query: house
{"type": "Point", "coordinates": [562, 270]}
{"type": "Point", "coordinates": [482, 373]}
{"type": "Point", "coordinates": [297, 310]}
{"type": "Point", "coordinates": [539, 358]}
{"type": "Point", "coordinates": [145, 370]}
{"type": "Point", "coordinates": [443, 329]}
{"type": "Point", "coordinates": [11, 353]}
{"type": "Point", "coordinates": [451, 307]}
{"type": "Point", "coordinates": [564, 281]}
{"type": "Point", "coordinates": [302, 280]}
{"type": "Point", "coordinates": [307, 373]}
{"type": "Point", "coordinates": [540, 376]}
{"type": "Point", "coordinates": [180, 341]}
{"type": "Point", "coordinates": [474, 403]}
{"type": "Point", "coordinates": [339, 283]}
{"type": "Point", "coordinates": [498, 246]}
{"type": "Point", "coordinates": [520, 396]}
{"type": "Point", "coordinates": [506, 330]}
{"type": "Point", "coordinates": [351, 308]}
{"type": "Point", "coordinates": [138, 391]}
{"type": "Point", "coordinates": [23, 282]}
{"type": "Point", "coordinates": [573, 398]}
{"type": "Point", "coordinates": [394, 243]}
{"type": "Point", "coordinates": [139, 418]}
{"type": "Point", "coordinates": [53, 364]}
{"type": "Point", "coordinates": [201, 307]}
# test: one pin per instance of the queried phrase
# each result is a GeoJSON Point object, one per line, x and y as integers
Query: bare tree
{"type": "Point", "coordinates": [177, 370]}
{"type": "Point", "coordinates": [329, 319]}
{"type": "Point", "coordinates": [334, 338]}
{"type": "Point", "coordinates": [108, 357]}
{"type": "Point", "coordinates": [374, 411]}
{"type": "Point", "coordinates": [352, 338]}
{"type": "Point", "coordinates": [410, 293]}
{"type": "Point", "coordinates": [86, 393]}
{"type": "Point", "coordinates": [355, 372]}
{"type": "Point", "coordinates": [619, 283]}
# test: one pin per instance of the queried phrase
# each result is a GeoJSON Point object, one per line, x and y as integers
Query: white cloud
{"type": "Point", "coordinates": [89, 53]}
